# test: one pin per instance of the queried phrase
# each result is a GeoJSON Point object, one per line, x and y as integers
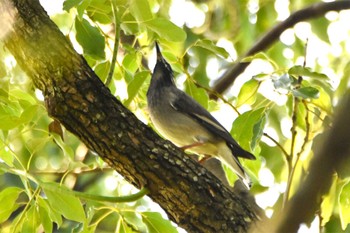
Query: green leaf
{"type": "Point", "coordinates": [135, 85]}
{"type": "Point", "coordinates": [199, 94]}
{"type": "Point", "coordinates": [209, 45]}
{"type": "Point", "coordinates": [67, 150]}
{"type": "Point", "coordinates": [8, 122]}
{"type": "Point", "coordinates": [90, 39]}
{"type": "Point", "coordinates": [3, 72]}
{"type": "Point", "coordinates": [156, 223]}
{"type": "Point", "coordinates": [319, 27]}
{"type": "Point", "coordinates": [28, 114]}
{"type": "Point", "coordinates": [258, 130]}
{"type": "Point", "coordinates": [66, 204]}
{"type": "Point", "coordinates": [123, 227]}
{"type": "Point", "coordinates": [6, 155]}
{"type": "Point", "coordinates": [328, 203]}
{"type": "Point", "coordinates": [324, 101]}
{"type": "Point", "coordinates": [141, 10]}
{"type": "Point", "coordinates": [247, 94]}
{"type": "Point", "coordinates": [102, 70]}
{"type": "Point", "coordinates": [22, 95]}
{"type": "Point", "coordinates": [262, 76]}
{"type": "Point", "coordinates": [82, 7]}
{"type": "Point", "coordinates": [12, 115]}
{"type": "Point", "coordinates": [166, 29]}
{"type": "Point", "coordinates": [305, 71]}
{"type": "Point", "coordinates": [131, 62]}
{"type": "Point", "coordinates": [129, 25]}
{"type": "Point", "coordinates": [131, 218]}
{"type": "Point", "coordinates": [344, 205]}
{"type": "Point", "coordinates": [9, 115]}
{"type": "Point", "coordinates": [262, 56]}
{"type": "Point", "coordinates": [246, 126]}
{"type": "Point", "coordinates": [53, 214]}
{"type": "Point", "coordinates": [274, 160]}
{"type": "Point", "coordinates": [69, 4]}
{"type": "Point", "coordinates": [306, 93]}
{"type": "Point", "coordinates": [100, 11]}
{"type": "Point", "coordinates": [31, 221]}
{"type": "Point", "coordinates": [8, 203]}
{"type": "Point", "coordinates": [45, 219]}
{"type": "Point", "coordinates": [300, 115]}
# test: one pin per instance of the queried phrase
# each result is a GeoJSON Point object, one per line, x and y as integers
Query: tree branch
{"type": "Point", "coordinates": [192, 197]}
{"type": "Point", "coordinates": [332, 157]}
{"type": "Point", "coordinates": [311, 12]}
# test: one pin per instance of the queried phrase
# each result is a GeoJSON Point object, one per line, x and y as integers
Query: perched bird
{"type": "Point", "coordinates": [183, 121]}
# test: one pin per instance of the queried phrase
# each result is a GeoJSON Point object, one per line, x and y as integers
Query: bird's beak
{"type": "Point", "coordinates": [159, 54]}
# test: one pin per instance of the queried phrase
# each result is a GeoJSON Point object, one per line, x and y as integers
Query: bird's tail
{"type": "Point", "coordinates": [226, 156]}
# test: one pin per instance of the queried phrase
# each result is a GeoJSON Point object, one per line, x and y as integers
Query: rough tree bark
{"type": "Point", "coordinates": [75, 96]}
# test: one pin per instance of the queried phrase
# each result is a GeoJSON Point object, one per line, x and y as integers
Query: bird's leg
{"type": "Point", "coordinates": [192, 145]}
{"type": "Point", "coordinates": [200, 141]}
{"type": "Point", "coordinates": [205, 158]}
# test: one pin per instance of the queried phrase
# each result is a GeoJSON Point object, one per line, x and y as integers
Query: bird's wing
{"type": "Point", "coordinates": [185, 104]}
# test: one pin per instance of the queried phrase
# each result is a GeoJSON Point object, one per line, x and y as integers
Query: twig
{"type": "Point", "coordinates": [317, 115]}
{"type": "Point", "coordinates": [116, 44]}
{"type": "Point", "coordinates": [303, 205]}
{"type": "Point", "coordinates": [286, 155]}
{"type": "Point", "coordinates": [210, 91]}
{"type": "Point", "coordinates": [311, 12]}
{"type": "Point", "coordinates": [291, 168]}
{"type": "Point", "coordinates": [297, 157]}
{"type": "Point", "coordinates": [307, 131]}
{"type": "Point", "coordinates": [218, 95]}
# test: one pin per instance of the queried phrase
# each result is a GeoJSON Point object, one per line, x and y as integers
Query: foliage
{"type": "Point", "coordinates": [280, 105]}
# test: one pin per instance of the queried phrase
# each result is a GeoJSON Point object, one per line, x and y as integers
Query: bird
{"type": "Point", "coordinates": [184, 122]}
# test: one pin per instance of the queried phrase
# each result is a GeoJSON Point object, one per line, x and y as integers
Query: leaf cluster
{"type": "Point", "coordinates": [277, 111]}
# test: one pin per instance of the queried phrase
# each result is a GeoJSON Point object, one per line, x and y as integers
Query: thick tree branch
{"type": "Point", "coordinates": [75, 96]}
{"type": "Point", "coordinates": [311, 12]}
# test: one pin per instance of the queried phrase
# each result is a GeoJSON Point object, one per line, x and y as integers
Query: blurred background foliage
{"type": "Point", "coordinates": [277, 108]}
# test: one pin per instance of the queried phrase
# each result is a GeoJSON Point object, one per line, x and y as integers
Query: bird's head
{"type": "Point", "coordinates": [162, 72]}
